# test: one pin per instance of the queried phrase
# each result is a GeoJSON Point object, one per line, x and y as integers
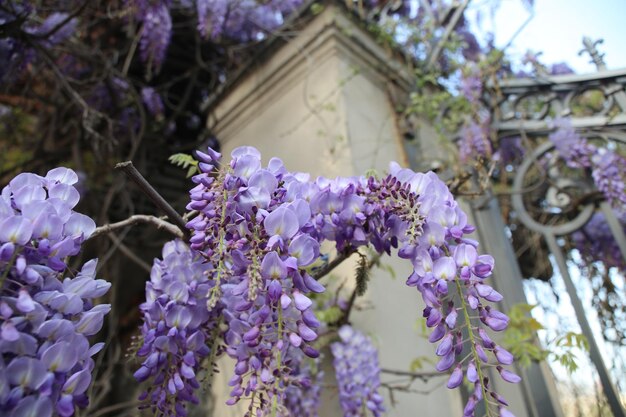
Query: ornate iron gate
{"type": "Point", "coordinates": [559, 206]}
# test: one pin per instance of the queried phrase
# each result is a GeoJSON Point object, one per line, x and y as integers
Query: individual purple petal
{"type": "Point", "coordinates": [285, 301]}
{"type": "Point", "coordinates": [438, 333]}
{"type": "Point", "coordinates": [295, 340]}
{"type": "Point", "coordinates": [24, 302]}
{"type": "Point", "coordinates": [472, 374]}
{"type": "Point", "coordinates": [281, 222]}
{"type": "Point", "coordinates": [79, 225]}
{"type": "Point", "coordinates": [65, 406]}
{"type": "Point", "coordinates": [27, 372]}
{"type": "Point", "coordinates": [66, 193]}
{"type": "Point", "coordinates": [306, 332]}
{"type": "Point", "coordinates": [446, 362]}
{"type": "Point", "coordinates": [28, 194]}
{"type": "Point", "coordinates": [274, 290]}
{"type": "Point", "coordinates": [33, 406]}
{"type": "Point", "coordinates": [47, 226]}
{"type": "Point", "coordinates": [484, 266]}
{"type": "Point", "coordinates": [310, 352]}
{"type": "Point", "coordinates": [253, 197]}
{"type": "Point", "coordinates": [8, 331]}
{"type": "Point", "coordinates": [60, 357]}
{"type": "Point", "coordinates": [496, 320]}
{"type": "Point", "coordinates": [465, 255]}
{"type": "Point", "coordinates": [272, 267]}
{"type": "Point", "coordinates": [470, 406]}
{"type": "Point", "coordinates": [309, 318]}
{"type": "Point", "coordinates": [488, 293]}
{"type": "Point", "coordinates": [62, 175]}
{"type": "Point", "coordinates": [305, 249]}
{"type": "Point", "coordinates": [246, 166]}
{"type": "Point", "coordinates": [480, 352]}
{"type": "Point", "coordinates": [16, 229]}
{"type": "Point", "coordinates": [445, 346]}
{"type": "Point", "coordinates": [301, 301]}
{"type": "Point", "coordinates": [312, 284]}
{"type": "Point", "coordinates": [456, 377]}
{"type": "Point", "coordinates": [504, 356]}
{"type": "Point", "coordinates": [444, 268]}
{"type": "Point", "coordinates": [487, 342]}
{"type": "Point", "coordinates": [90, 322]}
{"type": "Point", "coordinates": [451, 318]}
{"type": "Point", "coordinates": [509, 376]}
{"type": "Point", "coordinates": [264, 180]}
{"type": "Point", "coordinates": [78, 382]}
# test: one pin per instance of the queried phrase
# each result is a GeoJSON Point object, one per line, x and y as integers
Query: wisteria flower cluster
{"type": "Point", "coordinates": [597, 239]}
{"type": "Point", "coordinates": [46, 358]}
{"type": "Point", "coordinates": [259, 228]}
{"type": "Point", "coordinates": [608, 168]}
{"type": "Point", "coordinates": [177, 328]}
{"type": "Point", "coordinates": [242, 21]}
{"type": "Point", "coordinates": [358, 373]}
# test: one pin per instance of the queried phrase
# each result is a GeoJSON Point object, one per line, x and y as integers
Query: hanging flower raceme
{"type": "Point", "coordinates": [608, 168]}
{"type": "Point", "coordinates": [358, 373]}
{"type": "Point", "coordinates": [46, 359]}
{"type": "Point", "coordinates": [258, 229]}
{"type": "Point", "coordinates": [177, 329]}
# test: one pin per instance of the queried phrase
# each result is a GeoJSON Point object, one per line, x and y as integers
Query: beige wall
{"type": "Point", "coordinates": [321, 104]}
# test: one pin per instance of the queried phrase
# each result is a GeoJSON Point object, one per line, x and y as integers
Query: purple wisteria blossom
{"type": "Point", "coordinates": [597, 239]}
{"type": "Point", "coordinates": [153, 102]}
{"type": "Point", "coordinates": [472, 85]}
{"type": "Point", "coordinates": [608, 168]}
{"type": "Point", "coordinates": [46, 359]}
{"type": "Point", "coordinates": [259, 227]}
{"type": "Point", "coordinates": [242, 20]}
{"type": "Point", "coordinates": [177, 329]}
{"type": "Point", "coordinates": [303, 394]}
{"type": "Point", "coordinates": [609, 175]}
{"type": "Point", "coordinates": [474, 140]}
{"type": "Point", "coordinates": [358, 373]}
{"type": "Point", "coordinates": [573, 148]}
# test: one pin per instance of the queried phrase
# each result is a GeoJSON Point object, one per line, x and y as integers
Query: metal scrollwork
{"type": "Point", "coordinates": [559, 192]}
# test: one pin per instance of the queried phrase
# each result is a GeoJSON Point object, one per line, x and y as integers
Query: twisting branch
{"type": "Point", "coordinates": [136, 219]}
{"type": "Point", "coordinates": [332, 265]}
{"type": "Point", "coordinates": [424, 376]}
{"type": "Point", "coordinates": [135, 176]}
{"type": "Point", "coordinates": [129, 253]}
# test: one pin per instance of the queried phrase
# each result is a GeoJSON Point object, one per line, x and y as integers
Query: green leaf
{"type": "Point", "coordinates": [185, 161]}
{"type": "Point", "coordinates": [330, 315]}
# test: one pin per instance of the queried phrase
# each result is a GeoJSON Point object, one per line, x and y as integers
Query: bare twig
{"type": "Point", "coordinates": [416, 375]}
{"type": "Point", "coordinates": [130, 254]}
{"type": "Point", "coordinates": [457, 14]}
{"type": "Point", "coordinates": [135, 176]}
{"type": "Point", "coordinates": [136, 219]}
{"type": "Point", "coordinates": [116, 407]}
{"type": "Point", "coordinates": [332, 265]}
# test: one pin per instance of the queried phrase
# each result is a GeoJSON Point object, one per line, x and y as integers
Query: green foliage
{"type": "Point", "coordinates": [419, 362]}
{"type": "Point", "coordinates": [185, 161]}
{"type": "Point", "coordinates": [566, 345]}
{"type": "Point", "coordinates": [330, 315]}
{"type": "Point", "coordinates": [317, 8]}
{"type": "Point", "coordinates": [519, 339]}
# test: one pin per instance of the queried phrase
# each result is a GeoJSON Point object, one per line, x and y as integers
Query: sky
{"type": "Point", "coordinates": [557, 28]}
